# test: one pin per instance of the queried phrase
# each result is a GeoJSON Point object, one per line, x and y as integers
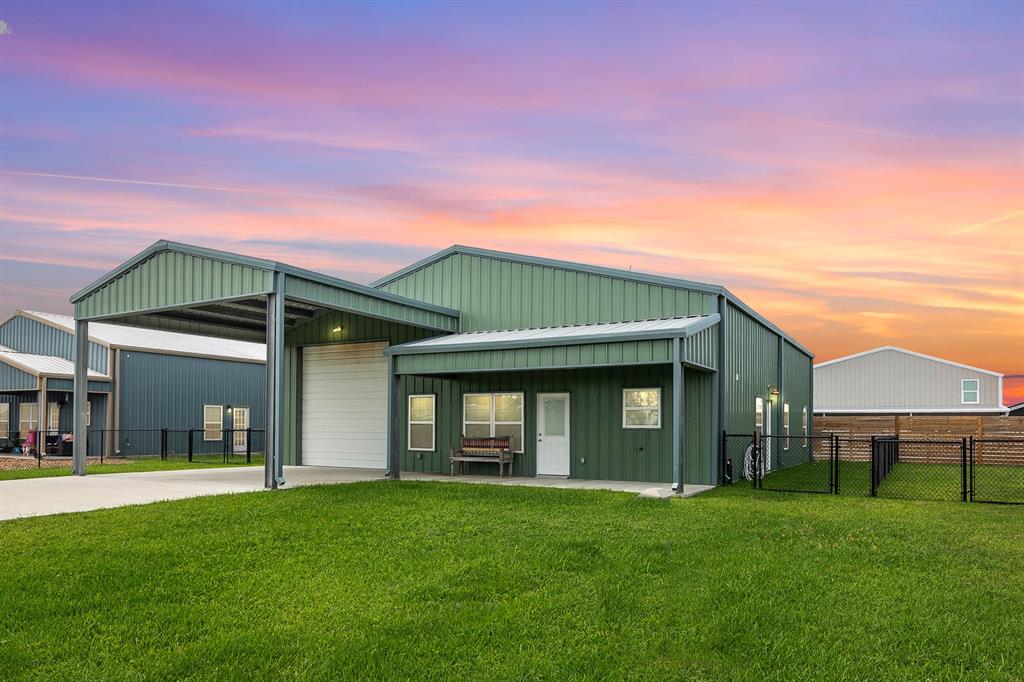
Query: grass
{"type": "Point", "coordinates": [906, 480]}
{"type": "Point", "coordinates": [417, 580]}
{"type": "Point", "coordinates": [153, 464]}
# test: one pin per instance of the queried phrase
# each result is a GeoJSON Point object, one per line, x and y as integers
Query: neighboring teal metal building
{"type": "Point", "coordinates": [595, 373]}
{"type": "Point", "coordinates": [141, 381]}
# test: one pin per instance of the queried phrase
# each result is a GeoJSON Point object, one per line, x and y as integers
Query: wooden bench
{"type": "Point", "coordinates": [497, 450]}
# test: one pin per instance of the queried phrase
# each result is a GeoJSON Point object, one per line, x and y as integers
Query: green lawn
{"type": "Point", "coordinates": [153, 464]}
{"type": "Point", "coordinates": [416, 580]}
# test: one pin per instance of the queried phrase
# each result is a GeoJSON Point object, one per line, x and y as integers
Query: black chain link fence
{"type": "Point", "coordinates": [951, 469]}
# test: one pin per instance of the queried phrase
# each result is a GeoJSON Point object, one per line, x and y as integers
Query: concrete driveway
{"type": "Point", "coordinates": [60, 494]}
{"type": "Point", "coordinates": [42, 496]}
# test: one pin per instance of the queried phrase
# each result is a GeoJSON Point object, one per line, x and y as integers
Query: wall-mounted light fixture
{"type": "Point", "coordinates": [337, 330]}
{"type": "Point", "coordinates": [229, 408]}
{"type": "Point", "coordinates": [773, 394]}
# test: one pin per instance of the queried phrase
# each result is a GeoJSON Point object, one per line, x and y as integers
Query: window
{"type": "Point", "coordinates": [785, 426]}
{"type": "Point", "coordinates": [88, 413]}
{"type": "Point", "coordinates": [421, 422]}
{"type": "Point", "coordinates": [213, 421]}
{"type": "Point", "coordinates": [5, 420]}
{"type": "Point", "coordinates": [969, 391]}
{"type": "Point", "coordinates": [804, 417]}
{"type": "Point", "coordinates": [28, 418]}
{"type": "Point", "coordinates": [486, 415]}
{"type": "Point", "coordinates": [53, 416]}
{"type": "Point", "coordinates": [641, 408]}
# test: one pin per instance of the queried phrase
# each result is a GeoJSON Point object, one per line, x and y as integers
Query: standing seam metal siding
{"type": "Point", "coordinates": [754, 356]}
{"type": "Point", "coordinates": [492, 293]}
{"type": "Point", "coordinates": [169, 391]}
{"type": "Point", "coordinates": [698, 428]}
{"type": "Point", "coordinates": [170, 279]}
{"type": "Point", "coordinates": [892, 380]}
{"type": "Point", "coordinates": [26, 335]}
{"type": "Point", "coordinates": [702, 347]}
{"type": "Point", "coordinates": [607, 451]}
{"type": "Point", "coordinates": [97, 405]}
{"type": "Point", "coordinates": [354, 328]}
{"type": "Point", "coordinates": [796, 389]}
{"type": "Point", "coordinates": [546, 357]}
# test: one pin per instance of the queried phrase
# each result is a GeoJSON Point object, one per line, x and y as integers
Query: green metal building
{"type": "Point", "coordinates": [595, 373]}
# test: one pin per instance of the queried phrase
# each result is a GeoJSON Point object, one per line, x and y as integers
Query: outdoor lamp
{"type": "Point", "coordinates": [337, 330]}
{"type": "Point", "coordinates": [773, 393]}
{"type": "Point", "coordinates": [229, 409]}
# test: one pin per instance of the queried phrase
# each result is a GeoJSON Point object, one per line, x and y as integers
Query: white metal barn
{"type": "Point", "coordinates": [890, 380]}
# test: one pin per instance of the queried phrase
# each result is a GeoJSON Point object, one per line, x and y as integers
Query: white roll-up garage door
{"type": "Point", "coordinates": [345, 405]}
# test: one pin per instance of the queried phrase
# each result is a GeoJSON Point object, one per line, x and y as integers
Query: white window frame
{"type": "Point", "coordinates": [785, 426]}
{"type": "Point", "coordinates": [626, 409]}
{"type": "Point", "coordinates": [432, 422]}
{"type": "Point", "coordinates": [804, 411]}
{"type": "Point", "coordinates": [759, 414]}
{"type": "Point", "coordinates": [492, 422]}
{"type": "Point", "coordinates": [5, 420]}
{"type": "Point", "coordinates": [52, 420]}
{"type": "Point", "coordinates": [220, 424]}
{"type": "Point", "coordinates": [88, 413]}
{"type": "Point", "coordinates": [976, 390]}
{"type": "Point", "coordinates": [33, 423]}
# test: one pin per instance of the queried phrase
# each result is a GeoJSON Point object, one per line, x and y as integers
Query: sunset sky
{"type": "Point", "coordinates": [853, 171]}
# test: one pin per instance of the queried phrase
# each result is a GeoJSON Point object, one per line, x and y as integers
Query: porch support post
{"type": "Point", "coordinates": [273, 469]}
{"type": "Point", "coordinates": [678, 417]}
{"type": "Point", "coordinates": [42, 417]}
{"type": "Point", "coordinates": [394, 415]}
{"type": "Point", "coordinates": [80, 433]}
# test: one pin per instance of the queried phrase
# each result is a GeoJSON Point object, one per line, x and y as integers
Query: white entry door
{"type": "Point", "coordinates": [239, 422]}
{"type": "Point", "coordinates": [553, 434]}
{"type": "Point", "coordinates": [345, 405]}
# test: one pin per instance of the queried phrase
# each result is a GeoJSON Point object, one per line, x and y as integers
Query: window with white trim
{"type": "Point", "coordinates": [804, 417]}
{"type": "Point", "coordinates": [5, 420]}
{"type": "Point", "coordinates": [28, 418]}
{"type": "Point", "coordinates": [88, 413]}
{"type": "Point", "coordinates": [970, 391]}
{"type": "Point", "coordinates": [487, 415]}
{"type": "Point", "coordinates": [421, 422]}
{"type": "Point", "coordinates": [213, 422]}
{"type": "Point", "coordinates": [641, 408]}
{"type": "Point", "coordinates": [785, 426]}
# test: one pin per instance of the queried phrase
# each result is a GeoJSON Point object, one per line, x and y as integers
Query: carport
{"type": "Point", "coordinates": [191, 289]}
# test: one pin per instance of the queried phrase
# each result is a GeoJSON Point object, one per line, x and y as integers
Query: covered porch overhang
{"type": "Point", "coordinates": [683, 343]}
{"type": "Point", "coordinates": [196, 290]}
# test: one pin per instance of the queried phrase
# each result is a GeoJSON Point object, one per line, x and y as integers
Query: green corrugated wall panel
{"type": "Point", "coordinates": [493, 293]}
{"type": "Point", "coordinates": [796, 388]}
{"type": "Point", "coordinates": [69, 385]}
{"type": "Point", "coordinates": [320, 331]}
{"type": "Point", "coordinates": [600, 447]}
{"type": "Point", "coordinates": [171, 279]}
{"type": "Point", "coordinates": [702, 347]}
{"type": "Point", "coordinates": [699, 428]}
{"type": "Point", "coordinates": [753, 357]}
{"type": "Point", "coordinates": [551, 357]}
{"type": "Point", "coordinates": [355, 301]}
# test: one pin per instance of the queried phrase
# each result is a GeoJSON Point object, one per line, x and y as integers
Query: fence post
{"type": "Point", "coordinates": [190, 446]}
{"type": "Point", "coordinates": [225, 434]}
{"type": "Point", "coordinates": [874, 467]}
{"type": "Point", "coordinates": [163, 443]}
{"type": "Point", "coordinates": [103, 443]}
{"type": "Point", "coordinates": [838, 459]}
{"type": "Point", "coordinates": [971, 486]}
{"type": "Point", "coordinates": [755, 463]}
{"type": "Point", "coordinates": [963, 469]}
{"type": "Point", "coordinates": [248, 445]}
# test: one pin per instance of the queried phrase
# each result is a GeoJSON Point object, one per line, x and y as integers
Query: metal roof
{"type": "Point", "coordinates": [158, 340]}
{"type": "Point", "coordinates": [559, 336]}
{"type": "Point", "coordinates": [597, 270]}
{"type": "Point", "coordinates": [906, 352]}
{"type": "Point", "coordinates": [45, 365]}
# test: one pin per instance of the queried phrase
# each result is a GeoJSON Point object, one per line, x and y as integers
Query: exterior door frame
{"type": "Point", "coordinates": [766, 430]}
{"type": "Point", "coordinates": [238, 444]}
{"type": "Point", "coordinates": [568, 431]}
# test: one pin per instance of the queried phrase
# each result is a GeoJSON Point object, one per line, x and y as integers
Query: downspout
{"type": "Point", "coordinates": [678, 416]}
{"type": "Point", "coordinates": [722, 381]}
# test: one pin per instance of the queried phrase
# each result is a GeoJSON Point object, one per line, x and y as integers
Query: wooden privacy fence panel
{"type": "Point", "coordinates": [986, 429]}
